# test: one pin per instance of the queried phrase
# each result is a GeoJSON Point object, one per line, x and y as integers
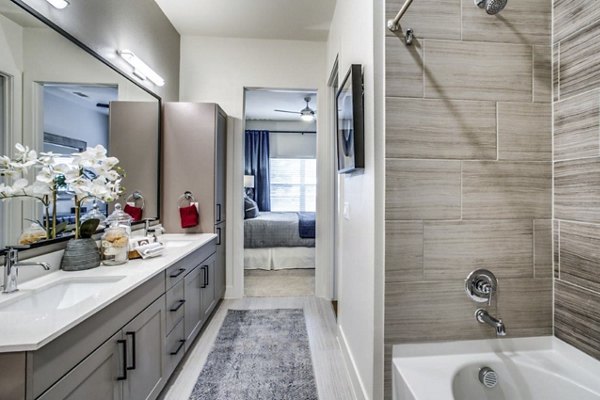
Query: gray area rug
{"type": "Point", "coordinates": [259, 355]}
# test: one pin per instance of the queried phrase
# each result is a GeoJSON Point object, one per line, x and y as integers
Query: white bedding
{"type": "Point", "coordinates": [279, 258]}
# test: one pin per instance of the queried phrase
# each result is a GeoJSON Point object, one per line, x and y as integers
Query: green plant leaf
{"type": "Point", "coordinates": [88, 228]}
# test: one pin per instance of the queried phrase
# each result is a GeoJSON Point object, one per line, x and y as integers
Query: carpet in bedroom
{"type": "Point", "coordinates": [278, 283]}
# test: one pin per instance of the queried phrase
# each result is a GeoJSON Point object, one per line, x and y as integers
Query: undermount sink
{"type": "Point", "coordinates": [59, 295]}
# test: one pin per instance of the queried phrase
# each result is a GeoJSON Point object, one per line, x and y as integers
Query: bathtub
{"type": "Point", "coordinates": [540, 368]}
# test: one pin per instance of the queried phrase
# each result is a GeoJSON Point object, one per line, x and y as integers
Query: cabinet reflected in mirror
{"type": "Point", "coordinates": [60, 98]}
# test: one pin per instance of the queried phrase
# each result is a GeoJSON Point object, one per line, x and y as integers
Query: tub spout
{"type": "Point", "coordinates": [483, 317]}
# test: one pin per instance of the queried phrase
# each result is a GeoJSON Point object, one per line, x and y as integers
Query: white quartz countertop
{"type": "Point", "coordinates": [29, 331]}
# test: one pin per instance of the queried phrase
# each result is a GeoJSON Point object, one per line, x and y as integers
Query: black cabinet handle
{"type": "Point", "coordinates": [207, 276]}
{"type": "Point", "coordinates": [218, 212]}
{"type": "Point", "coordinates": [124, 353]}
{"type": "Point", "coordinates": [176, 274]}
{"type": "Point", "coordinates": [132, 335]}
{"type": "Point", "coordinates": [178, 306]}
{"type": "Point", "coordinates": [203, 268]}
{"type": "Point", "coordinates": [218, 236]}
{"type": "Point", "coordinates": [181, 343]}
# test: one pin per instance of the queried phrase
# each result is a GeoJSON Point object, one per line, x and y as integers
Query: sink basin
{"type": "Point", "coordinates": [59, 295]}
{"type": "Point", "coordinates": [177, 243]}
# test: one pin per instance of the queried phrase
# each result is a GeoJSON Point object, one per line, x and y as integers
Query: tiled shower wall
{"type": "Point", "coordinates": [468, 169]}
{"type": "Point", "coordinates": [577, 173]}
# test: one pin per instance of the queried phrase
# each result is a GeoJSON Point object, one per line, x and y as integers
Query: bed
{"type": "Point", "coordinates": [279, 240]}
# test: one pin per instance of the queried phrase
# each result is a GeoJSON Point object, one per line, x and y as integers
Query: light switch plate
{"type": "Point", "coordinates": [346, 210]}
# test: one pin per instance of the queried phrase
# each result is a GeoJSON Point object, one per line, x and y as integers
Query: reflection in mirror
{"type": "Point", "coordinates": [62, 99]}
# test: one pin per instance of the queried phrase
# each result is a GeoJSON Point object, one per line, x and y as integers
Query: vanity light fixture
{"type": "Point", "coordinates": [140, 68]}
{"type": "Point", "coordinates": [60, 4]}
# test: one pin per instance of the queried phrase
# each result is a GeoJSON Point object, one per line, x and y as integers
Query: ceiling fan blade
{"type": "Point", "coordinates": [286, 111]}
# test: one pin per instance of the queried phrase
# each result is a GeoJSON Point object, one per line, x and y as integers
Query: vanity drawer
{"type": "Point", "coordinates": [176, 272]}
{"type": "Point", "coordinates": [175, 300]}
{"type": "Point", "coordinates": [175, 347]}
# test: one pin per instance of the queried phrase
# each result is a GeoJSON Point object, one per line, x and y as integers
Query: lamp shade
{"type": "Point", "coordinates": [249, 181]}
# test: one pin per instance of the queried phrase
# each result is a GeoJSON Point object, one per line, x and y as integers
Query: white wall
{"type": "Point", "coordinates": [217, 70]}
{"type": "Point", "coordinates": [67, 118]}
{"type": "Point", "coordinates": [354, 40]}
{"type": "Point", "coordinates": [288, 145]}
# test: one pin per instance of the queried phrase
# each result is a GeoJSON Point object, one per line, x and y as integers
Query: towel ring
{"type": "Point", "coordinates": [136, 196]}
{"type": "Point", "coordinates": [187, 196]}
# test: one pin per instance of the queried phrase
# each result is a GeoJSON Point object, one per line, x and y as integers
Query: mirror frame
{"type": "Point", "coordinates": [39, 248]}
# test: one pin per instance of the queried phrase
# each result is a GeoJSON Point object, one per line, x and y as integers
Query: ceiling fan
{"type": "Point", "coordinates": [307, 114]}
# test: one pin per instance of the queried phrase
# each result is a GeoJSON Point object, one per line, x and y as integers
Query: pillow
{"type": "Point", "coordinates": [250, 208]}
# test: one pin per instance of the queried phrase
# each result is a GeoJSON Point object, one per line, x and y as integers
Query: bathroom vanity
{"type": "Point", "coordinates": [109, 332]}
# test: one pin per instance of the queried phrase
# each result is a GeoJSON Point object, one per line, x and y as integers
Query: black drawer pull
{"type": "Point", "coordinates": [218, 236]}
{"type": "Point", "coordinates": [124, 353]}
{"type": "Point", "coordinates": [178, 306]}
{"type": "Point", "coordinates": [181, 343]}
{"type": "Point", "coordinates": [204, 269]}
{"type": "Point", "coordinates": [132, 334]}
{"type": "Point", "coordinates": [218, 212]}
{"type": "Point", "coordinates": [176, 274]}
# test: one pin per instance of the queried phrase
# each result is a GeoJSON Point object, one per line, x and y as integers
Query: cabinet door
{"type": "Point", "coordinates": [220, 167]}
{"type": "Point", "coordinates": [208, 291]}
{"type": "Point", "coordinates": [146, 361]}
{"type": "Point", "coordinates": [193, 286]}
{"type": "Point", "coordinates": [220, 265]}
{"type": "Point", "coordinates": [97, 377]}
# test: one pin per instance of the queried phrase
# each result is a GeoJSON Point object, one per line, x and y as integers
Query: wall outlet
{"type": "Point", "coordinates": [346, 210]}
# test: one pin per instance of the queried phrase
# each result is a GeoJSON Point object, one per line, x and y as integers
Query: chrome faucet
{"type": "Point", "coordinates": [483, 317]}
{"type": "Point", "coordinates": [11, 268]}
{"type": "Point", "coordinates": [154, 230]}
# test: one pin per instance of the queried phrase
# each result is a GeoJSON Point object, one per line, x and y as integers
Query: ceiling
{"type": "Point", "coordinates": [258, 19]}
{"type": "Point", "coordinates": [88, 96]}
{"type": "Point", "coordinates": [261, 103]}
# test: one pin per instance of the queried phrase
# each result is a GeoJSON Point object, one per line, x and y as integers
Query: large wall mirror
{"type": "Point", "coordinates": [55, 96]}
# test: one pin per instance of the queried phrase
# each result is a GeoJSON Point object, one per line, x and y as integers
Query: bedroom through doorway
{"type": "Point", "coordinates": [280, 180]}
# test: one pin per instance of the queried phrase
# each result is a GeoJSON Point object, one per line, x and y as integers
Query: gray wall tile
{"type": "Point", "coordinates": [577, 317]}
{"type": "Point", "coordinates": [410, 316]}
{"type": "Point", "coordinates": [525, 22]}
{"type": "Point", "coordinates": [555, 72]}
{"type": "Point", "coordinates": [573, 15]}
{"type": "Point", "coordinates": [525, 131]}
{"type": "Point", "coordinates": [452, 249]}
{"type": "Point", "coordinates": [403, 251]}
{"type": "Point", "coordinates": [426, 128]}
{"type": "Point", "coordinates": [542, 74]}
{"type": "Point", "coordinates": [506, 190]}
{"type": "Point", "coordinates": [403, 68]}
{"type": "Point", "coordinates": [422, 189]}
{"type": "Point", "coordinates": [580, 254]}
{"type": "Point", "coordinates": [577, 190]}
{"type": "Point", "coordinates": [579, 66]}
{"type": "Point", "coordinates": [577, 126]}
{"type": "Point", "coordinates": [542, 248]}
{"type": "Point", "coordinates": [496, 71]}
{"type": "Point", "coordinates": [439, 19]}
{"type": "Point", "coordinates": [556, 247]}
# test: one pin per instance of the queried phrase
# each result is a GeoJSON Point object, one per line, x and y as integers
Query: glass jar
{"type": "Point", "coordinates": [121, 218]}
{"type": "Point", "coordinates": [95, 213]}
{"type": "Point", "coordinates": [32, 234]}
{"type": "Point", "coordinates": [115, 245]}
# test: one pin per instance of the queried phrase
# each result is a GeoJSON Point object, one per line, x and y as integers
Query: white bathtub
{"type": "Point", "coordinates": [541, 368]}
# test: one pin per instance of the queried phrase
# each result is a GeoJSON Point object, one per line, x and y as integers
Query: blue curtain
{"type": "Point", "coordinates": [257, 164]}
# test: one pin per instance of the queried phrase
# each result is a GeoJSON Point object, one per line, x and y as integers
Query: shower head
{"type": "Point", "coordinates": [491, 6]}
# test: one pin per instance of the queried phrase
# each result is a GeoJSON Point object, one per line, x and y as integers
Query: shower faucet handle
{"type": "Point", "coordinates": [480, 286]}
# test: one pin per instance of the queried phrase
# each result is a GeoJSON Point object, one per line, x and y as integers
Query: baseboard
{"type": "Point", "coordinates": [357, 385]}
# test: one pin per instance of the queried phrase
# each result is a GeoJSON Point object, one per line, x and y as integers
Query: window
{"type": "Point", "coordinates": [293, 184]}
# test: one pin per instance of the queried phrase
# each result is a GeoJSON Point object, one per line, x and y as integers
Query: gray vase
{"type": "Point", "coordinates": [80, 254]}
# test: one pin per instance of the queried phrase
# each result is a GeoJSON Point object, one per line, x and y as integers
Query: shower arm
{"type": "Point", "coordinates": [394, 24]}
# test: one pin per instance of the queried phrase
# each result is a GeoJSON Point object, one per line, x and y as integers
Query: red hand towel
{"type": "Point", "coordinates": [189, 216]}
{"type": "Point", "coordinates": [134, 212]}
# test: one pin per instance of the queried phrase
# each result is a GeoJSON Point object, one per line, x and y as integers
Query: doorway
{"type": "Point", "coordinates": [280, 180]}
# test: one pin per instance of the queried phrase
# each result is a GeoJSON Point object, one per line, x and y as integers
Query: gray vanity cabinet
{"type": "Point", "coordinates": [209, 301]}
{"type": "Point", "coordinates": [220, 264]}
{"type": "Point", "coordinates": [95, 378]}
{"type": "Point", "coordinates": [146, 361]}
{"type": "Point", "coordinates": [193, 285]}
